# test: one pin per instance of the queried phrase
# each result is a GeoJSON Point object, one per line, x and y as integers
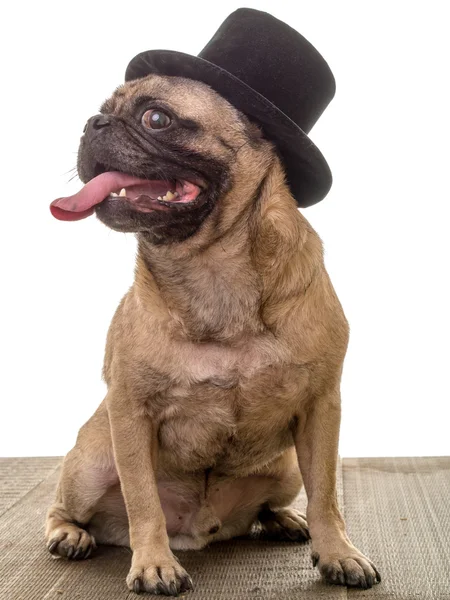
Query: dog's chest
{"type": "Point", "coordinates": [235, 419]}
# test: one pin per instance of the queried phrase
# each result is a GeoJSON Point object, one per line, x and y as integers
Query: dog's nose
{"type": "Point", "coordinates": [95, 123]}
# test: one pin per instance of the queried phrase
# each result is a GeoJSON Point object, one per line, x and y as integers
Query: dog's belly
{"type": "Point", "coordinates": [198, 508]}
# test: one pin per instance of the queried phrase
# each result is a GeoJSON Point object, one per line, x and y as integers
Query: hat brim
{"type": "Point", "coordinates": [307, 171]}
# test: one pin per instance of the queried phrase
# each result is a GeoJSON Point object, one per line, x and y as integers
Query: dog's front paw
{"type": "Point", "coordinates": [346, 567]}
{"type": "Point", "coordinates": [161, 576]}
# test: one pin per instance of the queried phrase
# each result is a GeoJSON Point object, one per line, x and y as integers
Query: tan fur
{"type": "Point", "coordinates": [223, 363]}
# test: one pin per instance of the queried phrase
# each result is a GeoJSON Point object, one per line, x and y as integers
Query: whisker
{"type": "Point", "coordinates": [74, 176]}
{"type": "Point", "coordinates": [72, 170]}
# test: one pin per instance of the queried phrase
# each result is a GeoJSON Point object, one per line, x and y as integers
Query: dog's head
{"type": "Point", "coordinates": [187, 147]}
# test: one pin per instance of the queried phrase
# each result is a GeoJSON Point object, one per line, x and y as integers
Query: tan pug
{"type": "Point", "coordinates": [223, 361]}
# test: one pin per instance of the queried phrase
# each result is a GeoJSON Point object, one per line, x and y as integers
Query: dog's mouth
{"type": "Point", "coordinates": [143, 195]}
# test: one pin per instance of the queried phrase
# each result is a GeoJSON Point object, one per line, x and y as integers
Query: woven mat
{"type": "Point", "coordinates": [397, 511]}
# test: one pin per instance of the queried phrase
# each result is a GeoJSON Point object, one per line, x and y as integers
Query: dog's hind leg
{"type": "Point", "coordinates": [278, 520]}
{"type": "Point", "coordinates": [110, 525]}
{"type": "Point", "coordinates": [88, 471]}
{"type": "Point", "coordinates": [260, 503]}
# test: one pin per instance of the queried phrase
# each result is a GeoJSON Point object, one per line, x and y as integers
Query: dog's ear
{"type": "Point", "coordinates": [252, 130]}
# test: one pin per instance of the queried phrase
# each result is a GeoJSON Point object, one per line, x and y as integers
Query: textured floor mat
{"type": "Point", "coordinates": [398, 512]}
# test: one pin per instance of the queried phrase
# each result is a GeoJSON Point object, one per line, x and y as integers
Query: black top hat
{"type": "Point", "coordinates": [274, 76]}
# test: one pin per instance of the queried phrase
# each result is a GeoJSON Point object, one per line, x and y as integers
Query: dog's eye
{"type": "Point", "coordinates": [155, 119]}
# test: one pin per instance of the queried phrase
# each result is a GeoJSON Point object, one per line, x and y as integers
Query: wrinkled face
{"type": "Point", "coordinates": [172, 144]}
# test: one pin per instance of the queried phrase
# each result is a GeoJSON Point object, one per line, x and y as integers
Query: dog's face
{"type": "Point", "coordinates": [183, 139]}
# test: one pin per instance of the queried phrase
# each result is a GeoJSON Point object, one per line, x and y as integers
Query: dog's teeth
{"type": "Point", "coordinates": [114, 194]}
{"type": "Point", "coordinates": [123, 192]}
{"type": "Point", "coordinates": [169, 196]}
{"type": "Point", "coordinates": [159, 198]}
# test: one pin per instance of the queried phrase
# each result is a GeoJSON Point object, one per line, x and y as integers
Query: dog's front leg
{"type": "Point", "coordinates": [317, 439]}
{"type": "Point", "coordinates": [153, 568]}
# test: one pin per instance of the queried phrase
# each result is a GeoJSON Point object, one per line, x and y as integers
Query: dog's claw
{"type": "Point", "coordinates": [161, 589]}
{"type": "Point", "coordinates": [186, 584]}
{"type": "Point", "coordinates": [377, 573]}
{"type": "Point", "coordinates": [137, 586]}
{"type": "Point", "coordinates": [173, 590]}
{"type": "Point", "coordinates": [53, 546]}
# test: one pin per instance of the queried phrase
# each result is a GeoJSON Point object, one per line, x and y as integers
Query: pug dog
{"type": "Point", "coordinates": [223, 361]}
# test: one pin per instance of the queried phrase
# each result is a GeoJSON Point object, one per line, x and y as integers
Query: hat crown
{"type": "Point", "coordinates": [276, 61]}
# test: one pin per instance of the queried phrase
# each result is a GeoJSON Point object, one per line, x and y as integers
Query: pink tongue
{"type": "Point", "coordinates": [81, 205]}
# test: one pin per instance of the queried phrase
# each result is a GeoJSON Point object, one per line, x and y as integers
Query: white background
{"type": "Point", "coordinates": [384, 224]}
